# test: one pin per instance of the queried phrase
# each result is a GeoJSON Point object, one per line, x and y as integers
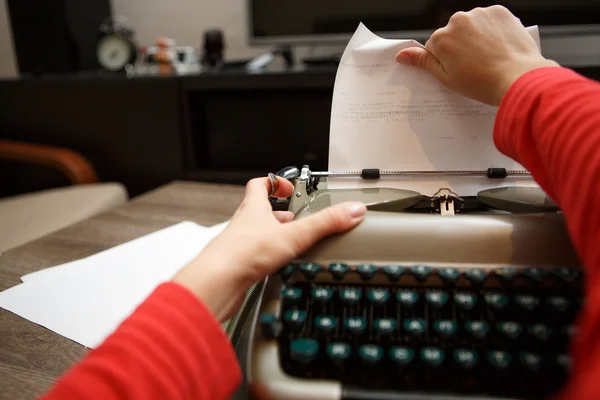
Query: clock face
{"type": "Point", "coordinates": [114, 53]}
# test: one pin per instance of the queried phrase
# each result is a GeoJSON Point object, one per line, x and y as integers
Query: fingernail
{"type": "Point", "coordinates": [356, 210]}
{"type": "Point", "coordinates": [403, 59]}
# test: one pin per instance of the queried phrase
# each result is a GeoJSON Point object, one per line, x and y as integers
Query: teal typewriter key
{"type": "Point", "coordinates": [291, 295]}
{"type": "Point", "coordinates": [499, 359]}
{"type": "Point", "coordinates": [402, 355]}
{"type": "Point", "coordinates": [310, 270]}
{"type": "Point", "coordinates": [449, 275]}
{"type": "Point", "coordinates": [378, 296]}
{"type": "Point", "coordinates": [294, 318]}
{"type": "Point", "coordinates": [421, 272]}
{"type": "Point", "coordinates": [393, 272]}
{"type": "Point", "coordinates": [531, 361]}
{"type": "Point", "coordinates": [563, 361]}
{"type": "Point", "coordinates": [558, 303]}
{"type": "Point", "coordinates": [509, 329]}
{"type": "Point", "coordinates": [407, 298]}
{"type": "Point", "coordinates": [338, 352]}
{"type": "Point", "coordinates": [445, 327]}
{"type": "Point", "coordinates": [268, 324]}
{"type": "Point", "coordinates": [356, 325]}
{"type": "Point", "coordinates": [565, 274]}
{"type": "Point", "coordinates": [476, 275]}
{"type": "Point", "coordinates": [414, 326]}
{"type": "Point", "coordinates": [506, 274]}
{"type": "Point", "coordinates": [527, 301]}
{"type": "Point", "coordinates": [287, 271]}
{"type": "Point", "coordinates": [497, 301]}
{"type": "Point", "coordinates": [366, 271]}
{"type": "Point", "coordinates": [466, 301]}
{"type": "Point", "coordinates": [304, 350]}
{"type": "Point", "coordinates": [466, 358]}
{"type": "Point", "coordinates": [370, 354]}
{"type": "Point", "coordinates": [326, 323]}
{"type": "Point", "coordinates": [351, 295]}
{"type": "Point", "coordinates": [338, 270]}
{"type": "Point", "coordinates": [385, 326]}
{"type": "Point", "coordinates": [534, 273]}
{"type": "Point", "coordinates": [539, 331]}
{"type": "Point", "coordinates": [479, 329]}
{"type": "Point", "coordinates": [432, 356]}
{"type": "Point", "coordinates": [322, 294]}
{"type": "Point", "coordinates": [436, 298]}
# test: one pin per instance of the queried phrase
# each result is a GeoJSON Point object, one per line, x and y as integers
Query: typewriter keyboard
{"type": "Point", "coordinates": [502, 332]}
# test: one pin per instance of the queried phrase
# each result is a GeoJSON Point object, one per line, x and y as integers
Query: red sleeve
{"type": "Point", "coordinates": [549, 121]}
{"type": "Point", "coordinates": [171, 347]}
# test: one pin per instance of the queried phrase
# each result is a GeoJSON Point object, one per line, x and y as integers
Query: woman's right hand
{"type": "Point", "coordinates": [479, 53]}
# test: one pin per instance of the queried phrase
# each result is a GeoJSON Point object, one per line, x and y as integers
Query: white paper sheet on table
{"type": "Point", "coordinates": [399, 118]}
{"type": "Point", "coordinates": [85, 300]}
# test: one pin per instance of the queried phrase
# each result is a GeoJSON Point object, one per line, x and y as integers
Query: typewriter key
{"type": "Point", "coordinates": [351, 295]}
{"type": "Point", "coordinates": [393, 272]}
{"type": "Point", "coordinates": [449, 275]}
{"type": "Point", "coordinates": [385, 325]}
{"type": "Point", "coordinates": [287, 271]}
{"type": "Point", "coordinates": [499, 359]}
{"type": "Point", "coordinates": [402, 355]}
{"type": "Point", "coordinates": [370, 354]}
{"type": "Point", "coordinates": [528, 302]}
{"type": "Point", "coordinates": [476, 275]}
{"type": "Point", "coordinates": [322, 295]}
{"type": "Point", "coordinates": [294, 318]}
{"type": "Point", "coordinates": [338, 270]}
{"type": "Point", "coordinates": [378, 296]}
{"type": "Point", "coordinates": [535, 274]}
{"type": "Point", "coordinates": [558, 303]}
{"type": "Point", "coordinates": [326, 323]}
{"type": "Point", "coordinates": [465, 301]}
{"type": "Point", "coordinates": [436, 298]}
{"type": "Point", "coordinates": [478, 329]}
{"type": "Point", "coordinates": [465, 358]}
{"type": "Point", "coordinates": [530, 360]}
{"type": "Point", "coordinates": [366, 271]}
{"type": "Point", "coordinates": [432, 356]}
{"type": "Point", "coordinates": [310, 270]}
{"type": "Point", "coordinates": [304, 350]}
{"type": "Point", "coordinates": [356, 325]}
{"type": "Point", "coordinates": [540, 331]}
{"type": "Point", "coordinates": [506, 274]}
{"type": "Point", "coordinates": [566, 274]}
{"type": "Point", "coordinates": [446, 328]}
{"type": "Point", "coordinates": [269, 326]}
{"type": "Point", "coordinates": [421, 272]}
{"type": "Point", "coordinates": [407, 298]}
{"type": "Point", "coordinates": [291, 295]}
{"type": "Point", "coordinates": [338, 352]}
{"type": "Point", "coordinates": [415, 326]}
{"type": "Point", "coordinates": [496, 300]}
{"type": "Point", "coordinates": [510, 329]}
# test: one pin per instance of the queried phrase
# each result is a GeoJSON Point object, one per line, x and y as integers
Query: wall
{"type": "Point", "coordinates": [185, 21]}
{"type": "Point", "coordinates": [8, 67]}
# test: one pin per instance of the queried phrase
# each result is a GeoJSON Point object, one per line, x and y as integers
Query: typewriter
{"type": "Point", "coordinates": [440, 297]}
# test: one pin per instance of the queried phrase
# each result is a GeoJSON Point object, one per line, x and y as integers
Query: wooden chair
{"type": "Point", "coordinates": [28, 216]}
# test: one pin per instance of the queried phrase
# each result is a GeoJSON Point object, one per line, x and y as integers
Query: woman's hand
{"type": "Point", "coordinates": [479, 53]}
{"type": "Point", "coordinates": [257, 242]}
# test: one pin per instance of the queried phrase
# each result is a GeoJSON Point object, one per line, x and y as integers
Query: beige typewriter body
{"type": "Point", "coordinates": [388, 235]}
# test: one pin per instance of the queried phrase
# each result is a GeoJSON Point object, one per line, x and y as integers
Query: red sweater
{"type": "Point", "coordinates": [171, 347]}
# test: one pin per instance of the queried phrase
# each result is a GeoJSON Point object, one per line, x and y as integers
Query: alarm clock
{"type": "Point", "coordinates": [116, 48]}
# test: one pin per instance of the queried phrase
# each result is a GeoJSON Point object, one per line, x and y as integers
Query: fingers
{"type": "Point", "coordinates": [307, 231]}
{"type": "Point", "coordinates": [260, 189]}
{"type": "Point", "coordinates": [283, 216]}
{"type": "Point", "coordinates": [421, 58]}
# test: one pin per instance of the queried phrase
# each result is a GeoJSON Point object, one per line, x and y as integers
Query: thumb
{"type": "Point", "coordinates": [306, 232]}
{"type": "Point", "coordinates": [421, 58]}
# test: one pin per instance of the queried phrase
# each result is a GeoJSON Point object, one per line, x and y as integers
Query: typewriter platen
{"type": "Point", "coordinates": [436, 297]}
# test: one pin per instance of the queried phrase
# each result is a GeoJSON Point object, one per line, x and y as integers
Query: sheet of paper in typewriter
{"type": "Point", "coordinates": [399, 118]}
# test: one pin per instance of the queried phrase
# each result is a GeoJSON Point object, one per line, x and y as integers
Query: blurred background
{"type": "Point", "coordinates": [151, 91]}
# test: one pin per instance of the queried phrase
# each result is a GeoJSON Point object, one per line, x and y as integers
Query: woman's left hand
{"type": "Point", "coordinates": [256, 243]}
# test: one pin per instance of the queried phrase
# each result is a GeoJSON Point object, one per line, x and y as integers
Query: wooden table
{"type": "Point", "coordinates": [32, 357]}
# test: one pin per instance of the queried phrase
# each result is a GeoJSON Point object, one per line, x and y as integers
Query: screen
{"type": "Point", "coordinates": [284, 18]}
